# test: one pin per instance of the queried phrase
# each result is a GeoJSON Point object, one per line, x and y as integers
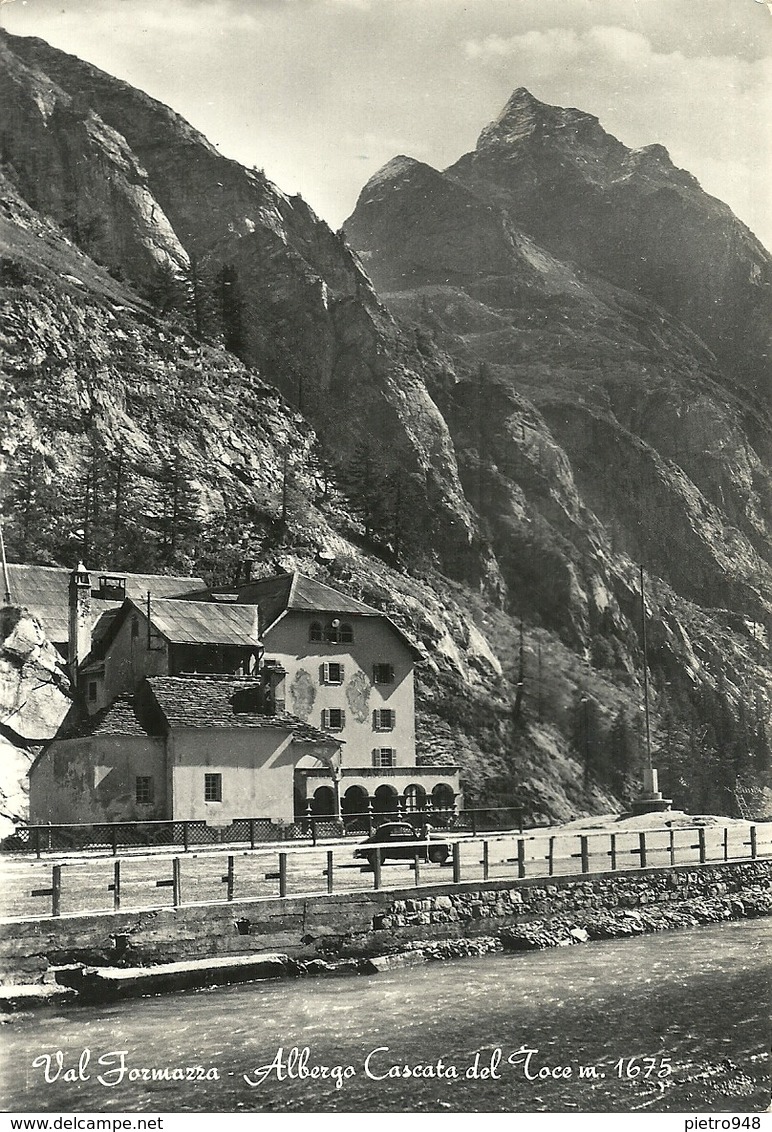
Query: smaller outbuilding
{"type": "Point", "coordinates": [180, 748]}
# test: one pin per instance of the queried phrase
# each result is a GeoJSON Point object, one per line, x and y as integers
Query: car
{"type": "Point", "coordinates": [392, 839]}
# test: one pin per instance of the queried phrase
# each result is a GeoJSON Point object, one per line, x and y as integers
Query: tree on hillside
{"type": "Point", "coordinates": [35, 511]}
{"type": "Point", "coordinates": [408, 522]}
{"type": "Point", "coordinates": [623, 751]}
{"type": "Point", "coordinates": [168, 289]}
{"type": "Point", "coordinates": [366, 476]}
{"type": "Point", "coordinates": [177, 517]}
{"type": "Point", "coordinates": [231, 303]}
{"type": "Point", "coordinates": [587, 736]}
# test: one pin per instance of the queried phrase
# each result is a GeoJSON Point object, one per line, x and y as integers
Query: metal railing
{"type": "Point", "coordinates": [114, 836]}
{"type": "Point", "coordinates": [269, 873]}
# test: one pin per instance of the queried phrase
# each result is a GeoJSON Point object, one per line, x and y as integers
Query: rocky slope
{"type": "Point", "coordinates": [608, 324]}
{"type": "Point", "coordinates": [632, 217]}
{"type": "Point", "coordinates": [474, 468]}
{"type": "Point", "coordinates": [141, 190]}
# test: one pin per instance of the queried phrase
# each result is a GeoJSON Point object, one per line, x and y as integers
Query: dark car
{"type": "Point", "coordinates": [393, 839]}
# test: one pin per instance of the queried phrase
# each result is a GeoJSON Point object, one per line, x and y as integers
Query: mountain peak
{"type": "Point", "coordinates": [524, 115]}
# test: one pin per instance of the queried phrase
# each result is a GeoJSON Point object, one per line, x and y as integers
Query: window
{"type": "Point", "coordinates": [213, 788]}
{"type": "Point", "coordinates": [383, 674]}
{"type": "Point", "coordinates": [144, 790]}
{"type": "Point", "coordinates": [338, 634]}
{"type": "Point", "coordinates": [384, 719]}
{"type": "Point", "coordinates": [315, 631]}
{"type": "Point", "coordinates": [333, 719]}
{"type": "Point", "coordinates": [332, 673]}
{"type": "Point", "coordinates": [384, 756]}
{"type": "Point", "coordinates": [92, 689]}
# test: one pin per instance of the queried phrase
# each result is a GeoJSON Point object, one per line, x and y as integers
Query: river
{"type": "Point", "coordinates": [694, 1003]}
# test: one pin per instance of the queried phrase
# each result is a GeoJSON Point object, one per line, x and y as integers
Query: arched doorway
{"type": "Point", "coordinates": [355, 800]}
{"type": "Point", "coordinates": [415, 797]}
{"type": "Point", "coordinates": [323, 804]}
{"type": "Point", "coordinates": [443, 797]}
{"type": "Point", "coordinates": [385, 800]}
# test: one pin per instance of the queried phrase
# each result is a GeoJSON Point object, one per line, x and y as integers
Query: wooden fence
{"type": "Point", "coordinates": [264, 873]}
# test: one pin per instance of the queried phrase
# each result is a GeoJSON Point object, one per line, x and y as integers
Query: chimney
{"type": "Point", "coordinates": [79, 636]}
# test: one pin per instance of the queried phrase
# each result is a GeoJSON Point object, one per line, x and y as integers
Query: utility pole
{"type": "Point", "coordinates": [645, 677]}
{"type": "Point", "coordinates": [538, 670]}
{"type": "Point", "coordinates": [6, 579]}
{"type": "Point", "coordinates": [284, 487]}
{"type": "Point", "coordinates": [650, 800]}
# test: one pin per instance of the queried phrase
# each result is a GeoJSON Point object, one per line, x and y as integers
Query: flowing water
{"type": "Point", "coordinates": [674, 1022]}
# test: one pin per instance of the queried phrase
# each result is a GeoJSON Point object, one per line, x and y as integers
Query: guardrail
{"type": "Point", "coordinates": [266, 874]}
{"type": "Point", "coordinates": [114, 836]}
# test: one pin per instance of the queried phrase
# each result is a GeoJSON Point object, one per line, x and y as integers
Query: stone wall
{"type": "Point", "coordinates": [529, 913]}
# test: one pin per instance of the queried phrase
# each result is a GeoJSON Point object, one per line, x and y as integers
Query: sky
{"type": "Point", "coordinates": [322, 93]}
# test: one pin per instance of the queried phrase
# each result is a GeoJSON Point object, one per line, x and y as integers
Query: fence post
{"type": "Point", "coordinates": [456, 862]}
{"type": "Point", "coordinates": [229, 878]}
{"type": "Point", "coordinates": [377, 869]}
{"type": "Point", "coordinates": [37, 841]}
{"type": "Point", "coordinates": [551, 857]}
{"type": "Point", "coordinates": [584, 850]}
{"type": "Point", "coordinates": [176, 882]}
{"type": "Point", "coordinates": [726, 842]}
{"type": "Point", "coordinates": [520, 858]}
{"type": "Point", "coordinates": [672, 846]}
{"type": "Point", "coordinates": [185, 836]}
{"type": "Point", "coordinates": [369, 819]}
{"type": "Point", "coordinates": [417, 866]}
{"type": "Point", "coordinates": [329, 870]}
{"type": "Point", "coordinates": [115, 887]}
{"type": "Point", "coordinates": [474, 822]}
{"type": "Point", "coordinates": [282, 874]}
{"type": "Point", "coordinates": [754, 847]}
{"type": "Point", "coordinates": [613, 851]}
{"type": "Point", "coordinates": [642, 847]}
{"type": "Point", "coordinates": [56, 890]}
{"type": "Point", "coordinates": [486, 859]}
{"type": "Point", "coordinates": [313, 832]}
{"type": "Point", "coordinates": [114, 839]}
{"type": "Point", "coordinates": [252, 833]}
{"type": "Point", "coordinates": [701, 841]}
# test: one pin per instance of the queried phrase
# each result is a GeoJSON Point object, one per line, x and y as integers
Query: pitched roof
{"type": "Point", "coordinates": [44, 591]}
{"type": "Point", "coordinates": [287, 591]}
{"type": "Point", "coordinates": [213, 701]}
{"type": "Point", "coordinates": [122, 717]}
{"type": "Point", "coordinates": [204, 623]}
{"type": "Point", "coordinates": [282, 592]}
{"type": "Point", "coordinates": [185, 701]}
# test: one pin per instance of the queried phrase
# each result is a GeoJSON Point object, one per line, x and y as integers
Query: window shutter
{"type": "Point", "coordinates": [343, 718]}
{"type": "Point", "coordinates": [325, 717]}
{"type": "Point", "coordinates": [325, 673]}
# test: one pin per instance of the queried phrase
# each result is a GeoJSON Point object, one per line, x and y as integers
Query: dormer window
{"type": "Point", "coordinates": [338, 632]}
{"type": "Point", "coordinates": [383, 674]}
{"type": "Point", "coordinates": [111, 588]}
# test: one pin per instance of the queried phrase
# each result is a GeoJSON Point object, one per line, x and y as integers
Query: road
{"type": "Point", "coordinates": [85, 878]}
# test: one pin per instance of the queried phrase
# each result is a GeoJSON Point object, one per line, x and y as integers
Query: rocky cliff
{"type": "Point", "coordinates": [198, 371]}
{"type": "Point", "coordinates": [608, 325]}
